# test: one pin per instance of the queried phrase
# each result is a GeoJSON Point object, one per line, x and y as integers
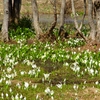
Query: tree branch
{"type": "Point", "coordinates": [78, 28]}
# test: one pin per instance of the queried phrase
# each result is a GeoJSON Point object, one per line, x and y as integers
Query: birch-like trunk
{"type": "Point", "coordinates": [62, 16]}
{"type": "Point", "coordinates": [90, 19]}
{"type": "Point", "coordinates": [97, 8]}
{"type": "Point", "coordinates": [4, 30]}
{"type": "Point", "coordinates": [36, 19]}
{"type": "Point", "coordinates": [62, 12]}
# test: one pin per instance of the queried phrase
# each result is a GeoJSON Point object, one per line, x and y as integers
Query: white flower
{"type": "Point", "coordinates": [46, 76]}
{"type": "Point", "coordinates": [22, 73]}
{"type": "Point", "coordinates": [64, 81]}
{"type": "Point", "coordinates": [59, 86]}
{"type": "Point", "coordinates": [1, 80]}
{"type": "Point", "coordinates": [91, 71]}
{"type": "Point", "coordinates": [9, 69]}
{"type": "Point", "coordinates": [31, 72]}
{"type": "Point", "coordinates": [16, 97]}
{"type": "Point", "coordinates": [15, 73]}
{"type": "Point", "coordinates": [83, 87]}
{"type": "Point", "coordinates": [26, 84]}
{"type": "Point", "coordinates": [75, 67]}
{"type": "Point", "coordinates": [12, 97]}
{"type": "Point", "coordinates": [52, 98]}
{"type": "Point", "coordinates": [21, 96]}
{"type": "Point", "coordinates": [29, 63]}
{"type": "Point", "coordinates": [18, 85]}
{"type": "Point", "coordinates": [34, 86]}
{"type": "Point", "coordinates": [52, 92]}
{"type": "Point", "coordinates": [79, 49]}
{"type": "Point", "coordinates": [96, 82]}
{"type": "Point", "coordinates": [34, 66]}
{"type": "Point", "coordinates": [54, 56]}
{"type": "Point", "coordinates": [38, 69]}
{"type": "Point", "coordinates": [85, 61]}
{"type": "Point", "coordinates": [8, 76]}
{"type": "Point", "coordinates": [96, 71]}
{"type": "Point", "coordinates": [8, 82]}
{"type": "Point", "coordinates": [84, 82]}
{"type": "Point", "coordinates": [37, 97]}
{"type": "Point", "coordinates": [10, 90]}
{"type": "Point", "coordinates": [6, 94]}
{"type": "Point", "coordinates": [24, 98]}
{"type": "Point", "coordinates": [75, 86]}
{"type": "Point", "coordinates": [76, 95]}
{"type": "Point", "coordinates": [47, 90]}
{"type": "Point", "coordinates": [2, 95]}
{"type": "Point", "coordinates": [66, 64]}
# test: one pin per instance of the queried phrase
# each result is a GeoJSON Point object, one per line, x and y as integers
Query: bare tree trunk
{"type": "Point", "coordinates": [10, 11]}
{"type": "Point", "coordinates": [55, 18]}
{"type": "Point", "coordinates": [74, 14]}
{"type": "Point", "coordinates": [16, 10]}
{"type": "Point", "coordinates": [91, 22]}
{"type": "Point", "coordinates": [62, 12]}
{"type": "Point", "coordinates": [36, 19]}
{"type": "Point", "coordinates": [78, 28]}
{"type": "Point", "coordinates": [97, 8]}
{"type": "Point", "coordinates": [62, 17]}
{"type": "Point", "coordinates": [4, 31]}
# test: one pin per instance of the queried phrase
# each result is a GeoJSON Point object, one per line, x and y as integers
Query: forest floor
{"type": "Point", "coordinates": [67, 93]}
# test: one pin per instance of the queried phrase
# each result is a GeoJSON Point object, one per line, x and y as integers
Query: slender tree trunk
{"type": "Point", "coordinates": [62, 17]}
{"type": "Point", "coordinates": [97, 8]}
{"type": "Point", "coordinates": [55, 18]}
{"type": "Point", "coordinates": [16, 10]}
{"type": "Point", "coordinates": [36, 19]}
{"type": "Point", "coordinates": [4, 31]}
{"type": "Point", "coordinates": [90, 19]}
{"type": "Point", "coordinates": [62, 12]}
{"type": "Point", "coordinates": [10, 11]}
{"type": "Point", "coordinates": [74, 14]}
{"type": "Point", "coordinates": [77, 26]}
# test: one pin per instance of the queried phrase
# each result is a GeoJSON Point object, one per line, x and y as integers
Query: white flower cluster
{"type": "Point", "coordinates": [49, 92]}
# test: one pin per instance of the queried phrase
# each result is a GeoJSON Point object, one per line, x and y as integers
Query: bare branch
{"type": "Point", "coordinates": [83, 15]}
{"type": "Point", "coordinates": [78, 28]}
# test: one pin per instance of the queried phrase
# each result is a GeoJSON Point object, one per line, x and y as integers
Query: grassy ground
{"type": "Point", "coordinates": [52, 71]}
{"type": "Point", "coordinates": [59, 75]}
{"type": "Point", "coordinates": [73, 88]}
